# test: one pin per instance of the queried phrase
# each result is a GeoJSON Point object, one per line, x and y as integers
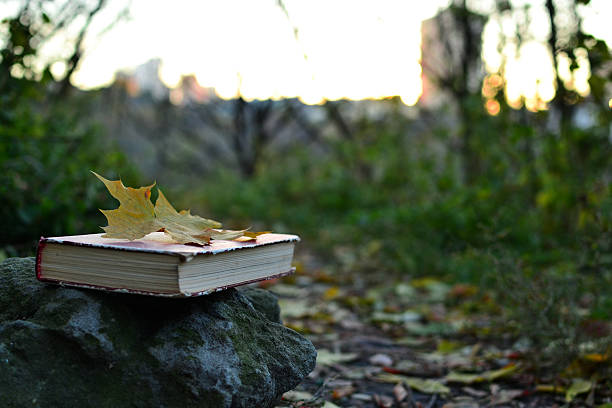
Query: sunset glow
{"type": "Point", "coordinates": [316, 51]}
{"type": "Point", "coordinates": [344, 49]}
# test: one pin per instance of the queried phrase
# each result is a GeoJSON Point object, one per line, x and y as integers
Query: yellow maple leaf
{"type": "Point", "coordinates": [137, 217]}
{"type": "Point", "coordinates": [183, 227]}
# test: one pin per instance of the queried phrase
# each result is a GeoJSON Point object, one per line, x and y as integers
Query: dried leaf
{"type": "Point", "coordinates": [405, 317]}
{"type": "Point", "coordinates": [361, 397]}
{"type": "Point", "coordinates": [183, 227]}
{"type": "Point", "coordinates": [550, 388]}
{"type": "Point", "coordinates": [226, 234]}
{"type": "Point", "coordinates": [295, 396]}
{"type": "Point", "coordinates": [380, 359]}
{"type": "Point", "coordinates": [462, 404]}
{"type": "Point", "coordinates": [342, 392]}
{"type": "Point", "coordinates": [448, 346]}
{"type": "Point", "coordinates": [463, 378]}
{"type": "Point", "coordinates": [502, 372]}
{"type": "Point", "coordinates": [331, 293]}
{"type": "Point", "coordinates": [383, 401]}
{"type": "Point", "coordinates": [136, 217]}
{"type": "Point", "coordinates": [579, 386]}
{"type": "Point", "coordinates": [400, 392]}
{"type": "Point", "coordinates": [505, 396]}
{"type": "Point", "coordinates": [474, 392]}
{"type": "Point", "coordinates": [295, 308]}
{"type": "Point", "coordinates": [485, 376]}
{"type": "Point", "coordinates": [326, 357]}
{"type": "Point", "coordinates": [250, 235]}
{"type": "Point", "coordinates": [596, 357]}
{"type": "Point", "coordinates": [426, 386]}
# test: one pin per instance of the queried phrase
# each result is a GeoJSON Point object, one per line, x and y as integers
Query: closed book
{"type": "Point", "coordinates": [154, 265]}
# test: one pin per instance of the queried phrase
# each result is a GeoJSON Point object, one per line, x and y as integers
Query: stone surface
{"type": "Point", "coordinates": [264, 302]}
{"type": "Point", "coordinates": [63, 347]}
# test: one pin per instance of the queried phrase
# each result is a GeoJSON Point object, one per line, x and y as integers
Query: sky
{"type": "Point", "coordinates": [353, 49]}
{"type": "Point", "coordinates": [344, 49]}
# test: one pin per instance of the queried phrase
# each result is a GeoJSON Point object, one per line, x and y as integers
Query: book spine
{"type": "Point", "coordinates": [39, 251]}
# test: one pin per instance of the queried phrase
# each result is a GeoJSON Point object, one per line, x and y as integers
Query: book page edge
{"type": "Point", "coordinates": [159, 294]}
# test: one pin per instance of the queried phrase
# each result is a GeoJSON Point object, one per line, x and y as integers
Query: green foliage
{"type": "Point", "coordinates": [555, 310]}
{"type": "Point", "coordinates": [534, 226]}
{"type": "Point", "coordinates": [406, 192]}
{"type": "Point", "coordinates": [45, 187]}
{"type": "Point", "coordinates": [46, 150]}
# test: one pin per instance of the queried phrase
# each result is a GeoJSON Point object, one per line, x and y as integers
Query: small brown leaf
{"type": "Point", "coordinates": [342, 392]}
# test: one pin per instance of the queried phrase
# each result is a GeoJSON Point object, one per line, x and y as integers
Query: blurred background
{"type": "Point", "coordinates": [466, 140]}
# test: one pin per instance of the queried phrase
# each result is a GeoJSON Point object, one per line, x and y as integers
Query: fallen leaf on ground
{"type": "Point", "coordinates": [381, 360]}
{"type": "Point", "coordinates": [435, 289]}
{"type": "Point", "coordinates": [596, 357]}
{"type": "Point", "coordinates": [361, 397]}
{"type": "Point", "coordinates": [383, 401]}
{"type": "Point", "coordinates": [400, 392]}
{"type": "Point", "coordinates": [326, 357]}
{"type": "Point", "coordinates": [578, 386]}
{"type": "Point", "coordinates": [419, 384]}
{"type": "Point", "coordinates": [550, 388]}
{"type": "Point", "coordinates": [411, 341]}
{"type": "Point", "coordinates": [485, 376]}
{"type": "Point", "coordinates": [474, 392]}
{"type": "Point", "coordinates": [408, 316]}
{"type": "Point", "coordinates": [294, 308]}
{"type": "Point", "coordinates": [448, 346]}
{"type": "Point", "coordinates": [462, 290]}
{"type": "Point", "coordinates": [355, 374]}
{"type": "Point", "coordinates": [331, 293]}
{"type": "Point", "coordinates": [295, 396]}
{"type": "Point", "coordinates": [420, 329]}
{"type": "Point", "coordinates": [342, 392]}
{"type": "Point", "coordinates": [283, 289]}
{"type": "Point", "coordinates": [505, 396]}
{"type": "Point", "coordinates": [461, 404]}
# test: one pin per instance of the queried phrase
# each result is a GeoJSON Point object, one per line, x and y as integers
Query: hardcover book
{"type": "Point", "coordinates": [154, 265]}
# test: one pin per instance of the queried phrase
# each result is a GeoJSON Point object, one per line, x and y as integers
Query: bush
{"type": "Point", "coordinates": [45, 184]}
{"type": "Point", "coordinates": [47, 147]}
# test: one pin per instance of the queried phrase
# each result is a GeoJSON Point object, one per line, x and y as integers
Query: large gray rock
{"type": "Point", "coordinates": [62, 347]}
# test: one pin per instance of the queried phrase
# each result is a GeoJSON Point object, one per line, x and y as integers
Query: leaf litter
{"type": "Point", "coordinates": [414, 344]}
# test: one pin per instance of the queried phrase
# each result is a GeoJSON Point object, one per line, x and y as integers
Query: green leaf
{"type": "Point", "coordinates": [579, 386]}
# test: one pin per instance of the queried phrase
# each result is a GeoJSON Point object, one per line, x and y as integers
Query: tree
{"type": "Point", "coordinates": [451, 62]}
{"type": "Point", "coordinates": [46, 147]}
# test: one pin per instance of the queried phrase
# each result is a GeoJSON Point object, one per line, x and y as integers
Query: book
{"type": "Point", "coordinates": [154, 265]}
